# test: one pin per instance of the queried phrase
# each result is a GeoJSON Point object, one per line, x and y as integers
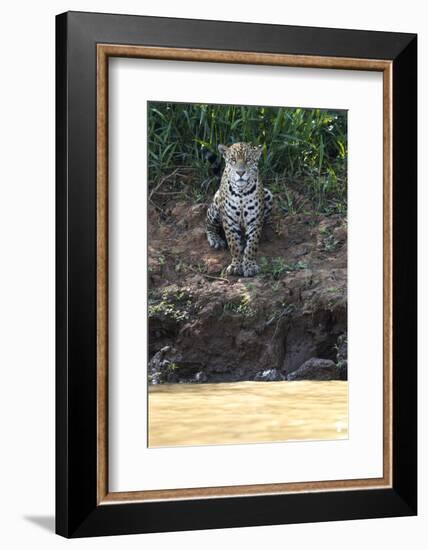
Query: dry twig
{"type": "Point", "coordinates": [208, 276]}
{"type": "Point", "coordinates": [162, 181]}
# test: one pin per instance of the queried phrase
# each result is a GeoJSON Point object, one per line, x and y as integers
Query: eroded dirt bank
{"type": "Point", "coordinates": [204, 327]}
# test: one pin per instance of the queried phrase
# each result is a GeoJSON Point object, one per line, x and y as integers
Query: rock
{"type": "Point", "coordinates": [159, 370]}
{"type": "Point", "coordinates": [343, 370]}
{"type": "Point", "coordinates": [269, 375]}
{"type": "Point", "coordinates": [201, 377]}
{"type": "Point", "coordinates": [316, 369]}
{"type": "Point", "coordinates": [155, 363]}
{"type": "Point", "coordinates": [342, 348]}
{"type": "Point", "coordinates": [342, 356]}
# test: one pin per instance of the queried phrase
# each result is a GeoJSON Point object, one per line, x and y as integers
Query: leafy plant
{"type": "Point", "coordinates": [305, 148]}
{"type": "Point", "coordinates": [174, 304]}
{"type": "Point", "coordinates": [275, 267]}
{"type": "Point", "coordinates": [330, 243]}
{"type": "Point", "coordinates": [242, 307]}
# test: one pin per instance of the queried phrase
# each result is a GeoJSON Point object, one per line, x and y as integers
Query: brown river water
{"type": "Point", "coordinates": [247, 412]}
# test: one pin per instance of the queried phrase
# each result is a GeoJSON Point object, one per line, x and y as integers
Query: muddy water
{"type": "Point", "coordinates": [247, 412]}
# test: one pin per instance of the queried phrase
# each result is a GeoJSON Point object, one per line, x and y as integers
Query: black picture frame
{"type": "Point", "coordinates": [77, 512]}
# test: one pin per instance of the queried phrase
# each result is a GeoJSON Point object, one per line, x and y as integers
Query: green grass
{"type": "Point", "coordinates": [276, 267]}
{"type": "Point", "coordinates": [330, 243]}
{"type": "Point", "coordinates": [302, 148]}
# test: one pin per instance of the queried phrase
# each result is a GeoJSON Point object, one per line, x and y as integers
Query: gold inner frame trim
{"type": "Point", "coordinates": [104, 51]}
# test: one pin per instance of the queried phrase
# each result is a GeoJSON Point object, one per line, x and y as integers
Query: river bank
{"type": "Point", "coordinates": [206, 327]}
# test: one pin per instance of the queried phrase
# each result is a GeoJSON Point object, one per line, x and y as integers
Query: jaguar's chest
{"type": "Point", "coordinates": [241, 208]}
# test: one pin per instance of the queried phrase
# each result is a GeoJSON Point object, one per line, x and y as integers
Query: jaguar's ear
{"type": "Point", "coordinates": [258, 149]}
{"type": "Point", "coordinates": [223, 149]}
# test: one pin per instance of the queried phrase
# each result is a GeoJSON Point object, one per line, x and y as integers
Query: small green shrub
{"type": "Point", "coordinates": [276, 267]}
{"type": "Point", "coordinates": [241, 306]}
{"type": "Point", "coordinates": [174, 304]}
{"type": "Point", "coordinates": [330, 243]}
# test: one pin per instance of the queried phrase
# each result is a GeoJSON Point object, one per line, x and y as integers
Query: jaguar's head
{"type": "Point", "coordinates": [241, 161]}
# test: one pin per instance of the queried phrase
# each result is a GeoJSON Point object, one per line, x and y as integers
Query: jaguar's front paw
{"type": "Point", "coordinates": [249, 269]}
{"type": "Point", "coordinates": [216, 242]}
{"type": "Point", "coordinates": [234, 268]}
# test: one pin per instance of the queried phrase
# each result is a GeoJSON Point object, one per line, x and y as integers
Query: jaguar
{"type": "Point", "coordinates": [239, 208]}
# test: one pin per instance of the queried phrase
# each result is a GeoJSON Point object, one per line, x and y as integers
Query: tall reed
{"type": "Point", "coordinates": [304, 149]}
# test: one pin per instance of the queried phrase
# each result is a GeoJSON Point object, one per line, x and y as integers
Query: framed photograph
{"type": "Point", "coordinates": [236, 274]}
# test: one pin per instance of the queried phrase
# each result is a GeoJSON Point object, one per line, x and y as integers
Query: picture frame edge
{"type": "Point", "coordinates": [77, 516]}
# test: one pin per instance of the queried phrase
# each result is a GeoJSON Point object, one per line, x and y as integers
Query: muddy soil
{"type": "Point", "coordinates": [206, 327]}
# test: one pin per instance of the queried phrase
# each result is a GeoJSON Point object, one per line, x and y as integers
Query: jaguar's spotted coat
{"type": "Point", "coordinates": [239, 208]}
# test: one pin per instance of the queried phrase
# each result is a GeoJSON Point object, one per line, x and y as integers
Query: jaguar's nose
{"type": "Point", "coordinates": [240, 173]}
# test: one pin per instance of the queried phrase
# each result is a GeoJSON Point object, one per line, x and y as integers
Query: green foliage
{"type": "Point", "coordinates": [286, 199]}
{"type": "Point", "coordinates": [306, 147]}
{"type": "Point", "coordinates": [241, 306]}
{"type": "Point", "coordinates": [172, 367]}
{"type": "Point", "coordinates": [275, 267]}
{"type": "Point", "coordinates": [330, 243]}
{"type": "Point", "coordinates": [173, 304]}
